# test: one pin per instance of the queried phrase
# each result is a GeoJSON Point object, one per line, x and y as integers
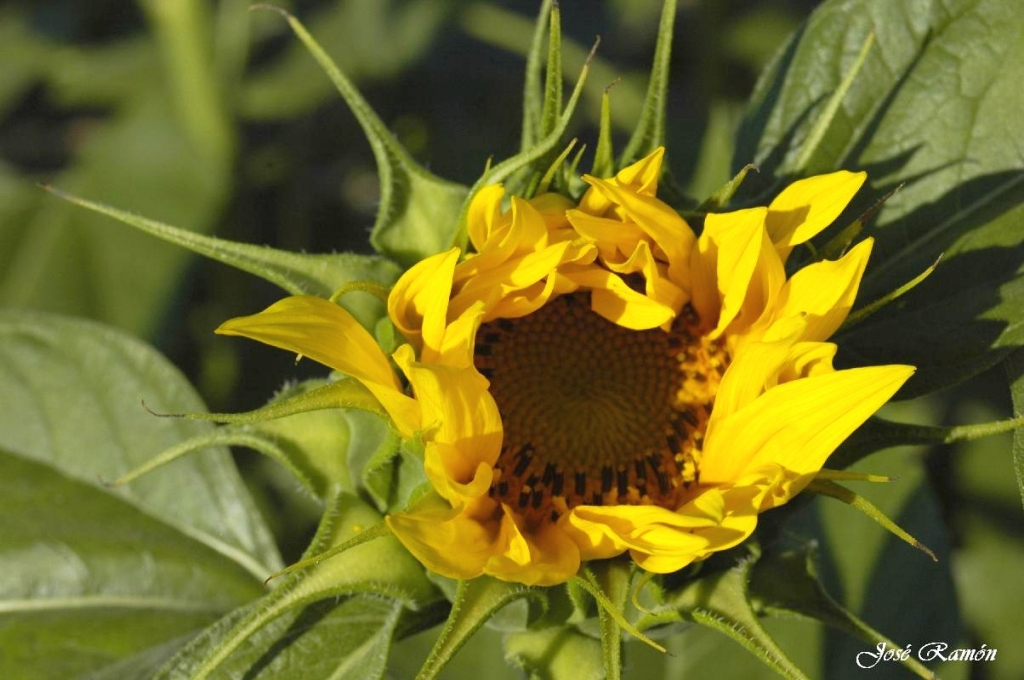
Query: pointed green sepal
{"type": "Point", "coordinates": [839, 244]}
{"type": "Point", "coordinates": [721, 602]}
{"type": "Point", "coordinates": [552, 172]}
{"type": "Point", "coordinates": [417, 209]}
{"type": "Point", "coordinates": [507, 167]}
{"type": "Point", "coordinates": [858, 315]}
{"type": "Point", "coordinates": [378, 567]}
{"type": "Point", "coordinates": [855, 500]}
{"type": "Point", "coordinates": [720, 199]}
{"type": "Point", "coordinates": [218, 437]}
{"type": "Point", "coordinates": [305, 428]}
{"type": "Point", "coordinates": [590, 584]}
{"type": "Point", "coordinates": [604, 154]}
{"type": "Point", "coordinates": [308, 396]}
{"type": "Point", "coordinates": [296, 273]}
{"type": "Point", "coordinates": [612, 577]}
{"type": "Point", "coordinates": [551, 110]}
{"type": "Point", "coordinates": [376, 531]}
{"type": "Point", "coordinates": [533, 103]}
{"type": "Point", "coordinates": [649, 133]}
{"type": "Point", "coordinates": [475, 602]}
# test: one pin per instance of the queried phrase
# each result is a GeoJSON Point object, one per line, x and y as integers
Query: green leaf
{"type": "Point", "coordinates": [255, 639]}
{"type": "Point", "coordinates": [418, 211]}
{"type": "Point", "coordinates": [70, 396]}
{"type": "Point", "coordinates": [89, 578]}
{"type": "Point", "coordinates": [94, 575]}
{"type": "Point", "coordinates": [349, 638]}
{"type": "Point", "coordinates": [649, 133]}
{"type": "Point", "coordinates": [928, 110]}
{"type": "Point", "coordinates": [721, 602]}
{"type": "Point", "coordinates": [1015, 374]}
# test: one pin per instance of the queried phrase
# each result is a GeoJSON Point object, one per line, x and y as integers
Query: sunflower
{"type": "Point", "coordinates": [592, 378]}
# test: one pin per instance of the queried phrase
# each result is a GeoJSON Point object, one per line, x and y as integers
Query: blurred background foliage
{"type": "Point", "coordinates": [214, 118]}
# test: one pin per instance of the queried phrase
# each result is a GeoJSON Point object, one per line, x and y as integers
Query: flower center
{"type": "Point", "coordinates": [594, 413]}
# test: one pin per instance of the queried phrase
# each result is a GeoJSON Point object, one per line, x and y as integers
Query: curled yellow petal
{"type": "Point", "coordinates": [328, 334]}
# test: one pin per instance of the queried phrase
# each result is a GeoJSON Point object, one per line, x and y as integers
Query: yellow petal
{"type": "Point", "coordinates": [528, 300]}
{"type": "Point", "coordinates": [445, 540]}
{"type": "Point", "coordinates": [483, 217]}
{"type": "Point", "coordinates": [739, 508]}
{"type": "Point", "coordinates": [757, 368]}
{"type": "Point", "coordinates": [545, 557]}
{"type": "Point", "coordinates": [418, 304]}
{"type": "Point", "coordinates": [704, 295]}
{"type": "Point", "coordinates": [748, 272]}
{"type": "Point", "coordinates": [614, 239]}
{"type": "Point", "coordinates": [658, 220]}
{"type": "Point", "coordinates": [796, 425]}
{"type": "Point", "coordinates": [328, 334]}
{"type": "Point", "coordinates": [445, 465]}
{"type": "Point", "coordinates": [614, 300]}
{"type": "Point", "coordinates": [458, 411]}
{"type": "Point", "coordinates": [807, 206]}
{"type": "Point", "coordinates": [640, 177]}
{"type": "Point", "coordinates": [661, 540]}
{"type": "Point", "coordinates": [823, 292]}
{"type": "Point", "coordinates": [522, 231]}
{"type": "Point", "coordinates": [552, 208]}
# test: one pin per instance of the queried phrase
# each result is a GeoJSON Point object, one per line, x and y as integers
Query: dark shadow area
{"type": "Point", "coordinates": [965, 316]}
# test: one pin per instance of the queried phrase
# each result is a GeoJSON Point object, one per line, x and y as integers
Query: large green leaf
{"type": "Point", "coordinates": [929, 110]}
{"type": "Point", "coordinates": [89, 578]}
{"type": "Point", "coordinates": [93, 575]}
{"type": "Point", "coordinates": [70, 397]}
